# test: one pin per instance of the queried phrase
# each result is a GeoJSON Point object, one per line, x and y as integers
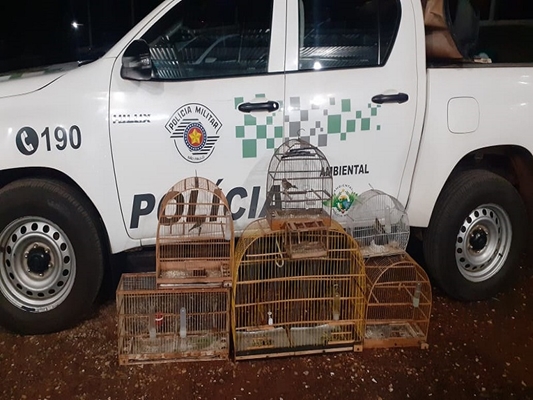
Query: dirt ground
{"type": "Point", "coordinates": [478, 350]}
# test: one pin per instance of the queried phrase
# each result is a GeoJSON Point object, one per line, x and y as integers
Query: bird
{"type": "Point", "coordinates": [380, 233]}
{"type": "Point", "coordinates": [380, 229]}
{"type": "Point", "coordinates": [287, 185]}
{"type": "Point", "coordinates": [198, 224]}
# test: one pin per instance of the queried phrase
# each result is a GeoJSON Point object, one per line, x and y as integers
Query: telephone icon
{"type": "Point", "coordinates": [28, 145]}
{"type": "Point", "coordinates": [27, 141]}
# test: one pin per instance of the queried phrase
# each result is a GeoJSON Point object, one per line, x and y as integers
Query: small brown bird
{"type": "Point", "coordinates": [287, 185]}
{"type": "Point", "coordinates": [380, 229]}
{"type": "Point", "coordinates": [198, 224]}
{"type": "Point", "coordinates": [380, 236]}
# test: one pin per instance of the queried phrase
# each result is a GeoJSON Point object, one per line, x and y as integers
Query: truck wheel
{"type": "Point", "coordinates": [476, 235]}
{"type": "Point", "coordinates": [51, 256]}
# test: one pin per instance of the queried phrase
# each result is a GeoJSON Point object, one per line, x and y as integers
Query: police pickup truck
{"type": "Point", "coordinates": [88, 153]}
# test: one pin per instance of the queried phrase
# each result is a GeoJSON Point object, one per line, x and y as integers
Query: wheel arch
{"type": "Point", "coordinates": [513, 163]}
{"type": "Point", "coordinates": [12, 175]}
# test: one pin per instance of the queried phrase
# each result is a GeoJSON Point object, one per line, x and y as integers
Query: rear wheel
{"type": "Point", "coordinates": [476, 235]}
{"type": "Point", "coordinates": [51, 256]}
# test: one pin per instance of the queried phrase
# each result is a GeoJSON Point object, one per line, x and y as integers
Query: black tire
{"type": "Point", "coordinates": [52, 257]}
{"type": "Point", "coordinates": [476, 236]}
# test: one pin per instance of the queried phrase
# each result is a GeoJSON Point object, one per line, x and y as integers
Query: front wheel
{"type": "Point", "coordinates": [476, 235]}
{"type": "Point", "coordinates": [51, 256]}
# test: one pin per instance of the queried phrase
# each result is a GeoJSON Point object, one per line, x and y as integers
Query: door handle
{"type": "Point", "coordinates": [269, 106]}
{"type": "Point", "coordinates": [390, 98]}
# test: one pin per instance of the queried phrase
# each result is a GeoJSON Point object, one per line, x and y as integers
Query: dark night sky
{"type": "Point", "coordinates": [39, 32]}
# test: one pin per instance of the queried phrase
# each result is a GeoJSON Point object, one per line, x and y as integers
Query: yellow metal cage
{"type": "Point", "coordinates": [285, 306]}
{"type": "Point", "coordinates": [398, 303]}
{"type": "Point", "coordinates": [299, 185]}
{"type": "Point", "coordinates": [164, 325]}
{"type": "Point", "coordinates": [195, 237]}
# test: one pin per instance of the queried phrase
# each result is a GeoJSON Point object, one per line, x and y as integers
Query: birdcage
{"type": "Point", "coordinates": [306, 239]}
{"type": "Point", "coordinates": [398, 302]}
{"type": "Point", "coordinates": [285, 306]}
{"type": "Point", "coordinates": [299, 185]}
{"type": "Point", "coordinates": [379, 223]}
{"type": "Point", "coordinates": [195, 238]}
{"type": "Point", "coordinates": [164, 325]}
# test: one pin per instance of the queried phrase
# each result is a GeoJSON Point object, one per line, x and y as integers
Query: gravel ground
{"type": "Point", "coordinates": [477, 350]}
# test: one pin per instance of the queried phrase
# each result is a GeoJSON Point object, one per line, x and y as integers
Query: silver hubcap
{"type": "Point", "coordinates": [38, 264]}
{"type": "Point", "coordinates": [483, 243]}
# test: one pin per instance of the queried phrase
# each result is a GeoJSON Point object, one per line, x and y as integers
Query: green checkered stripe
{"type": "Point", "coordinates": [258, 132]}
{"type": "Point", "coordinates": [349, 120]}
{"type": "Point", "coordinates": [334, 122]}
{"type": "Point", "coordinates": [320, 125]}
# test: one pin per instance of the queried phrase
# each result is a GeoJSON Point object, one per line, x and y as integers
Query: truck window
{"type": "Point", "coordinates": [506, 30]}
{"type": "Point", "coordinates": [347, 33]}
{"type": "Point", "coordinates": [211, 38]}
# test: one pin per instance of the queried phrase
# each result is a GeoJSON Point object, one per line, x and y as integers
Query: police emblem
{"type": "Point", "coordinates": [194, 130]}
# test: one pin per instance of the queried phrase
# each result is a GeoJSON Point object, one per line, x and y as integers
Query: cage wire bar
{"type": "Point", "coordinates": [379, 223]}
{"type": "Point", "coordinates": [398, 302]}
{"type": "Point", "coordinates": [283, 306]}
{"type": "Point", "coordinates": [299, 185]}
{"type": "Point", "coordinates": [167, 325]}
{"type": "Point", "coordinates": [195, 236]}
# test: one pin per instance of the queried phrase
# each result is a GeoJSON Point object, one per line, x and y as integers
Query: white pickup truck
{"type": "Point", "coordinates": [212, 88]}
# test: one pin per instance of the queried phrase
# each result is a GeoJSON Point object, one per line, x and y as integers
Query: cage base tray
{"type": "Point", "coordinates": [398, 334]}
{"type": "Point", "coordinates": [273, 342]}
{"type": "Point", "coordinates": [298, 251]}
{"type": "Point", "coordinates": [291, 352]}
{"type": "Point", "coordinates": [380, 250]}
{"type": "Point", "coordinates": [303, 219]}
{"type": "Point", "coordinates": [193, 271]}
{"type": "Point", "coordinates": [145, 350]}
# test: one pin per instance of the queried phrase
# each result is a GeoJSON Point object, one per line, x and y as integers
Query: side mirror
{"type": "Point", "coordinates": [137, 62]}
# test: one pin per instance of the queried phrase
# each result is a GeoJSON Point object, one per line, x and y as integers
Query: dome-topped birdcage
{"type": "Point", "coordinates": [285, 306]}
{"type": "Point", "coordinates": [379, 223]}
{"type": "Point", "coordinates": [195, 237]}
{"type": "Point", "coordinates": [299, 185]}
{"type": "Point", "coordinates": [398, 302]}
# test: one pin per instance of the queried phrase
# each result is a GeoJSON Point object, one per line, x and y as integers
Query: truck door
{"type": "Point", "coordinates": [351, 89]}
{"type": "Point", "coordinates": [213, 107]}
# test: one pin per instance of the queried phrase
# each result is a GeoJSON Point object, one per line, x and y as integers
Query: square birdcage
{"type": "Point", "coordinates": [306, 239]}
{"type": "Point", "coordinates": [195, 237]}
{"type": "Point", "coordinates": [299, 185]}
{"type": "Point", "coordinates": [398, 302]}
{"type": "Point", "coordinates": [379, 223]}
{"type": "Point", "coordinates": [165, 325]}
{"type": "Point", "coordinates": [286, 306]}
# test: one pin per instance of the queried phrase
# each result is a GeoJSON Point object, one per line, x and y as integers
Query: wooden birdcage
{"type": "Point", "coordinates": [379, 223]}
{"type": "Point", "coordinates": [285, 306]}
{"type": "Point", "coordinates": [306, 238]}
{"type": "Point", "coordinates": [299, 185]}
{"type": "Point", "coordinates": [398, 302]}
{"type": "Point", "coordinates": [195, 237]}
{"type": "Point", "coordinates": [164, 325]}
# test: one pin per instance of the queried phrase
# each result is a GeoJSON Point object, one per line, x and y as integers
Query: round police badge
{"type": "Point", "coordinates": [194, 129]}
